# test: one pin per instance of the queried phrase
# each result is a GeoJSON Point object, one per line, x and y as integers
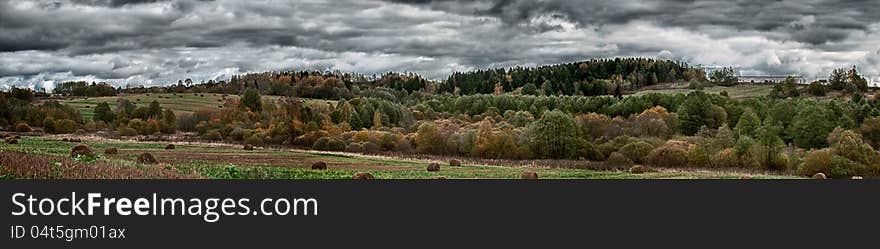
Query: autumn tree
{"type": "Point", "coordinates": [252, 100]}
{"type": "Point", "coordinates": [104, 113]}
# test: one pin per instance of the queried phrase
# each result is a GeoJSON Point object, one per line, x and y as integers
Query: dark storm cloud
{"type": "Point", "coordinates": [158, 41]}
{"type": "Point", "coordinates": [833, 19]}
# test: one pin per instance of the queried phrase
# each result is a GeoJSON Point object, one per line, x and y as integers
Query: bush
{"type": "Point", "coordinates": [698, 157]}
{"type": "Point", "coordinates": [22, 127]}
{"type": "Point", "coordinates": [255, 139]}
{"type": "Point", "coordinates": [817, 89]}
{"type": "Point", "coordinates": [328, 144]}
{"type": "Point", "coordinates": [126, 131]}
{"type": "Point", "coordinates": [636, 151]}
{"type": "Point", "coordinates": [725, 159]}
{"type": "Point", "coordinates": [668, 156]}
{"type": "Point", "coordinates": [618, 159]}
{"type": "Point", "coordinates": [370, 147]}
{"type": "Point", "coordinates": [64, 126]}
{"type": "Point", "coordinates": [212, 135]}
{"type": "Point", "coordinates": [833, 166]}
{"type": "Point", "coordinates": [355, 147]}
{"type": "Point", "coordinates": [592, 153]}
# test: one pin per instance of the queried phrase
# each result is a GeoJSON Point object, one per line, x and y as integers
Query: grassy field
{"type": "Point", "coordinates": [179, 102]}
{"type": "Point", "coordinates": [739, 91]}
{"type": "Point", "coordinates": [228, 162]}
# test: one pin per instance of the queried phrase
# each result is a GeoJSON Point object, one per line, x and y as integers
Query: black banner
{"type": "Point", "coordinates": [461, 213]}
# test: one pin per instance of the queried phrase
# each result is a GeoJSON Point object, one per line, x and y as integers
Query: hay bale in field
{"type": "Point", "coordinates": [433, 167]}
{"type": "Point", "coordinates": [820, 176]}
{"type": "Point", "coordinates": [110, 151]}
{"type": "Point", "coordinates": [248, 147]}
{"type": "Point", "coordinates": [638, 169]}
{"type": "Point", "coordinates": [529, 175]}
{"type": "Point", "coordinates": [80, 150]}
{"type": "Point", "coordinates": [147, 158]}
{"type": "Point", "coordinates": [856, 177]}
{"type": "Point", "coordinates": [319, 165]}
{"type": "Point", "coordinates": [745, 177]}
{"type": "Point", "coordinates": [454, 162]}
{"type": "Point", "coordinates": [363, 175]}
{"type": "Point", "coordinates": [169, 147]}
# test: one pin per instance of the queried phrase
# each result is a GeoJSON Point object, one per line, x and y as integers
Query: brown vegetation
{"type": "Point", "coordinates": [529, 175]}
{"type": "Point", "coordinates": [433, 167]}
{"type": "Point", "coordinates": [30, 166]}
{"type": "Point", "coordinates": [80, 150]}
{"type": "Point", "coordinates": [363, 175]}
{"type": "Point", "coordinates": [320, 165]}
{"type": "Point", "coordinates": [147, 158]}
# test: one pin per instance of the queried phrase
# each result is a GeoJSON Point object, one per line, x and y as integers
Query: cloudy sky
{"type": "Point", "coordinates": [153, 42]}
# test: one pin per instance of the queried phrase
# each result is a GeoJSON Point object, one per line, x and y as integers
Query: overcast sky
{"type": "Point", "coordinates": [154, 42]}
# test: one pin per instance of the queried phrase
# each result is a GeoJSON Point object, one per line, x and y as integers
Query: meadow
{"type": "Point", "coordinates": [220, 161]}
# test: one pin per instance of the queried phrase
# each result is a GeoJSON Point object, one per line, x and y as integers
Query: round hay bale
{"type": "Point", "coordinates": [319, 165]}
{"type": "Point", "coordinates": [638, 169]}
{"type": "Point", "coordinates": [169, 147]}
{"type": "Point", "coordinates": [363, 175]}
{"type": "Point", "coordinates": [248, 147]}
{"type": "Point", "coordinates": [454, 162]}
{"type": "Point", "coordinates": [110, 151]}
{"type": "Point", "coordinates": [11, 140]}
{"type": "Point", "coordinates": [856, 177]}
{"type": "Point", "coordinates": [745, 177]}
{"type": "Point", "coordinates": [147, 158]}
{"type": "Point", "coordinates": [433, 167]}
{"type": "Point", "coordinates": [529, 175]}
{"type": "Point", "coordinates": [80, 150]}
{"type": "Point", "coordinates": [820, 176]}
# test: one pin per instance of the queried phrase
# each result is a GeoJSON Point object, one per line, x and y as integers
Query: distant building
{"type": "Point", "coordinates": [769, 79]}
{"type": "Point", "coordinates": [709, 69]}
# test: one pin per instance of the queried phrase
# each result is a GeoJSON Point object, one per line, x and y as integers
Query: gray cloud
{"type": "Point", "coordinates": [156, 41]}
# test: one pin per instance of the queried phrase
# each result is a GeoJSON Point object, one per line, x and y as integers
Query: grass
{"type": "Point", "coordinates": [224, 162]}
{"type": "Point", "coordinates": [179, 102]}
{"type": "Point", "coordinates": [736, 92]}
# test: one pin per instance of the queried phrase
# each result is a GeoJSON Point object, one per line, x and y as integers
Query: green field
{"type": "Point", "coordinates": [739, 91]}
{"type": "Point", "coordinates": [228, 162]}
{"type": "Point", "coordinates": [179, 102]}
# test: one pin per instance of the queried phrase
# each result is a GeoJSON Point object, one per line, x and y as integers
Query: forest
{"type": "Point", "coordinates": [576, 111]}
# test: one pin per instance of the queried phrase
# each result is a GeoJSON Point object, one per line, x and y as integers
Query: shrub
{"type": "Point", "coordinates": [725, 158]}
{"type": "Point", "coordinates": [212, 135]}
{"type": "Point", "coordinates": [370, 147]}
{"type": "Point", "coordinates": [698, 157]}
{"type": "Point", "coordinates": [592, 153]}
{"type": "Point", "coordinates": [22, 127]}
{"type": "Point", "coordinates": [255, 139]}
{"type": "Point", "coordinates": [833, 166]}
{"type": "Point", "coordinates": [329, 144]}
{"type": "Point", "coordinates": [817, 89]}
{"type": "Point", "coordinates": [636, 151]}
{"type": "Point", "coordinates": [618, 159]}
{"type": "Point", "coordinates": [63, 126]}
{"type": "Point", "coordinates": [125, 131]}
{"type": "Point", "coordinates": [668, 155]}
{"type": "Point", "coordinates": [355, 147]}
